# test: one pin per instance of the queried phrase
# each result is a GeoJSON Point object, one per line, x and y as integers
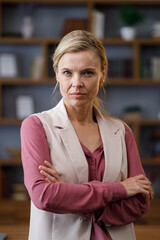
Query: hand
{"type": "Point", "coordinates": [50, 173]}
{"type": "Point", "coordinates": [138, 184]}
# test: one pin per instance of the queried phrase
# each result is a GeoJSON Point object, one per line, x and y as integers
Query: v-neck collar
{"type": "Point", "coordinates": [88, 152]}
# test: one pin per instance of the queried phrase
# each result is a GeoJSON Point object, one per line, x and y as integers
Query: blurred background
{"type": "Point", "coordinates": [29, 33]}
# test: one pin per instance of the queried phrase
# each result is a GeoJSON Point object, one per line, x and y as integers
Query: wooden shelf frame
{"type": "Point", "coordinates": [136, 45]}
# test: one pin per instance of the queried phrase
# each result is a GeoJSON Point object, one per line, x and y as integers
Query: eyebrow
{"type": "Point", "coordinates": [85, 69]}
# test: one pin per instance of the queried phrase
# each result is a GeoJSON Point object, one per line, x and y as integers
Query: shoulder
{"type": "Point", "coordinates": [115, 122]}
{"type": "Point", "coordinates": [121, 125]}
{"type": "Point", "coordinates": [30, 121]}
{"type": "Point", "coordinates": [37, 122]}
{"type": "Point", "coordinates": [31, 125]}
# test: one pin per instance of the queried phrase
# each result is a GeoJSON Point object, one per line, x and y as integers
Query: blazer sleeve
{"type": "Point", "coordinates": [59, 197]}
{"type": "Point", "coordinates": [130, 209]}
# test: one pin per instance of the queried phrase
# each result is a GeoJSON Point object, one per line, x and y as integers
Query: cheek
{"type": "Point", "coordinates": [64, 86]}
{"type": "Point", "coordinates": [96, 85]}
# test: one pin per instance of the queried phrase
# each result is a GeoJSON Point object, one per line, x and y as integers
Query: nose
{"type": "Point", "coordinates": [77, 81]}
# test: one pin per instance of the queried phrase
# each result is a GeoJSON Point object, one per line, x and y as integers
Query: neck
{"type": "Point", "coordinates": [82, 115]}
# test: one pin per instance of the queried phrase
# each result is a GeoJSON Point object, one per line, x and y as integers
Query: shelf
{"type": "Point", "coordinates": [144, 122]}
{"type": "Point", "coordinates": [12, 211]}
{"type": "Point", "coordinates": [9, 162]}
{"type": "Point", "coordinates": [20, 40]}
{"type": "Point", "coordinates": [48, 1]}
{"type": "Point", "coordinates": [151, 162]}
{"type": "Point", "coordinates": [132, 82]}
{"type": "Point", "coordinates": [114, 41]}
{"type": "Point", "coordinates": [120, 2]}
{"type": "Point", "coordinates": [26, 81]}
{"type": "Point", "coordinates": [144, 41]}
{"type": "Point", "coordinates": [106, 2]}
{"type": "Point", "coordinates": [10, 121]}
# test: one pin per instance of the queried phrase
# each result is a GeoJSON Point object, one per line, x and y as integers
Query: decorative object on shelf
{"type": "Point", "coordinates": [132, 112]}
{"type": "Point", "coordinates": [24, 106]}
{"type": "Point", "coordinates": [98, 24]}
{"type": "Point", "coordinates": [8, 65]}
{"type": "Point", "coordinates": [130, 16]}
{"type": "Point", "coordinates": [27, 28]}
{"type": "Point", "coordinates": [37, 68]}
{"type": "Point", "coordinates": [71, 24]}
{"type": "Point", "coordinates": [156, 29]}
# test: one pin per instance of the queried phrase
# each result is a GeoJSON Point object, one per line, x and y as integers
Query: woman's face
{"type": "Point", "coordinates": [79, 75]}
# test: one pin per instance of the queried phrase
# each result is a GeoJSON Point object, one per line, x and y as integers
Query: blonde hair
{"type": "Point", "coordinates": [80, 40]}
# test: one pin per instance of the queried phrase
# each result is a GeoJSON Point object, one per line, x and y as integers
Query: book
{"type": "Point", "coordinates": [37, 68]}
{"type": "Point", "coordinates": [98, 24]}
{"type": "Point", "coordinates": [72, 24]}
{"type": "Point", "coordinates": [155, 68]}
{"type": "Point", "coordinates": [8, 65]}
{"type": "Point", "coordinates": [120, 68]}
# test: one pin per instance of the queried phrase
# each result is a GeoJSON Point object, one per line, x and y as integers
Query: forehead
{"type": "Point", "coordinates": [81, 59]}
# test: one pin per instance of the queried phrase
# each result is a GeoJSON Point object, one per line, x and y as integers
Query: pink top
{"type": "Point", "coordinates": [105, 202]}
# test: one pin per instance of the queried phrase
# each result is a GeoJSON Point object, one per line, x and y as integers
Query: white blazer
{"type": "Point", "coordinates": [71, 163]}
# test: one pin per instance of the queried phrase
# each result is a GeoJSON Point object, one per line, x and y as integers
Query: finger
{"type": "Point", "coordinates": [48, 170]}
{"type": "Point", "coordinates": [151, 193]}
{"type": "Point", "coordinates": [143, 184]}
{"type": "Point", "coordinates": [142, 178]}
{"type": "Point", "coordinates": [48, 164]}
{"type": "Point", "coordinates": [48, 176]}
{"type": "Point", "coordinates": [48, 180]}
{"type": "Point", "coordinates": [147, 198]}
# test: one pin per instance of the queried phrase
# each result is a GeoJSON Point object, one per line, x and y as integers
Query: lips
{"type": "Point", "coordinates": [78, 94]}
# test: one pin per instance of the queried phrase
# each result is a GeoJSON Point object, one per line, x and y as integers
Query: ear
{"type": "Point", "coordinates": [56, 72]}
{"type": "Point", "coordinates": [103, 78]}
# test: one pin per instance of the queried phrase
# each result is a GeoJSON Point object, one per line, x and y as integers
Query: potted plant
{"type": "Point", "coordinates": [130, 16]}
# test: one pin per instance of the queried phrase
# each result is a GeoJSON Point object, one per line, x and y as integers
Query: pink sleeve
{"type": "Point", "coordinates": [59, 197]}
{"type": "Point", "coordinates": [130, 209]}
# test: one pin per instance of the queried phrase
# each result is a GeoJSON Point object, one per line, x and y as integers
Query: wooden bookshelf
{"type": "Point", "coordinates": [45, 45]}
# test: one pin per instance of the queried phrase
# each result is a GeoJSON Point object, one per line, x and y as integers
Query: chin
{"type": "Point", "coordinates": [77, 103]}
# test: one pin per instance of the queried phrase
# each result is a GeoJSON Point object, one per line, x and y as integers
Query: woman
{"type": "Point", "coordinates": [81, 167]}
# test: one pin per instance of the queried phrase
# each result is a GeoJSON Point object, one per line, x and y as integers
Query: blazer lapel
{"type": "Point", "coordinates": [111, 138]}
{"type": "Point", "coordinates": [71, 142]}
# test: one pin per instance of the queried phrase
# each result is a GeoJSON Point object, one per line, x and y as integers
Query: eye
{"type": "Point", "coordinates": [67, 73]}
{"type": "Point", "coordinates": [88, 73]}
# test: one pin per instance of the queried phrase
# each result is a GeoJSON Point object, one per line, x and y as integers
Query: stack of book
{"type": "Point", "coordinates": [150, 68]}
{"type": "Point", "coordinates": [120, 68]}
{"type": "Point", "coordinates": [155, 68]}
{"type": "Point", "coordinates": [19, 192]}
